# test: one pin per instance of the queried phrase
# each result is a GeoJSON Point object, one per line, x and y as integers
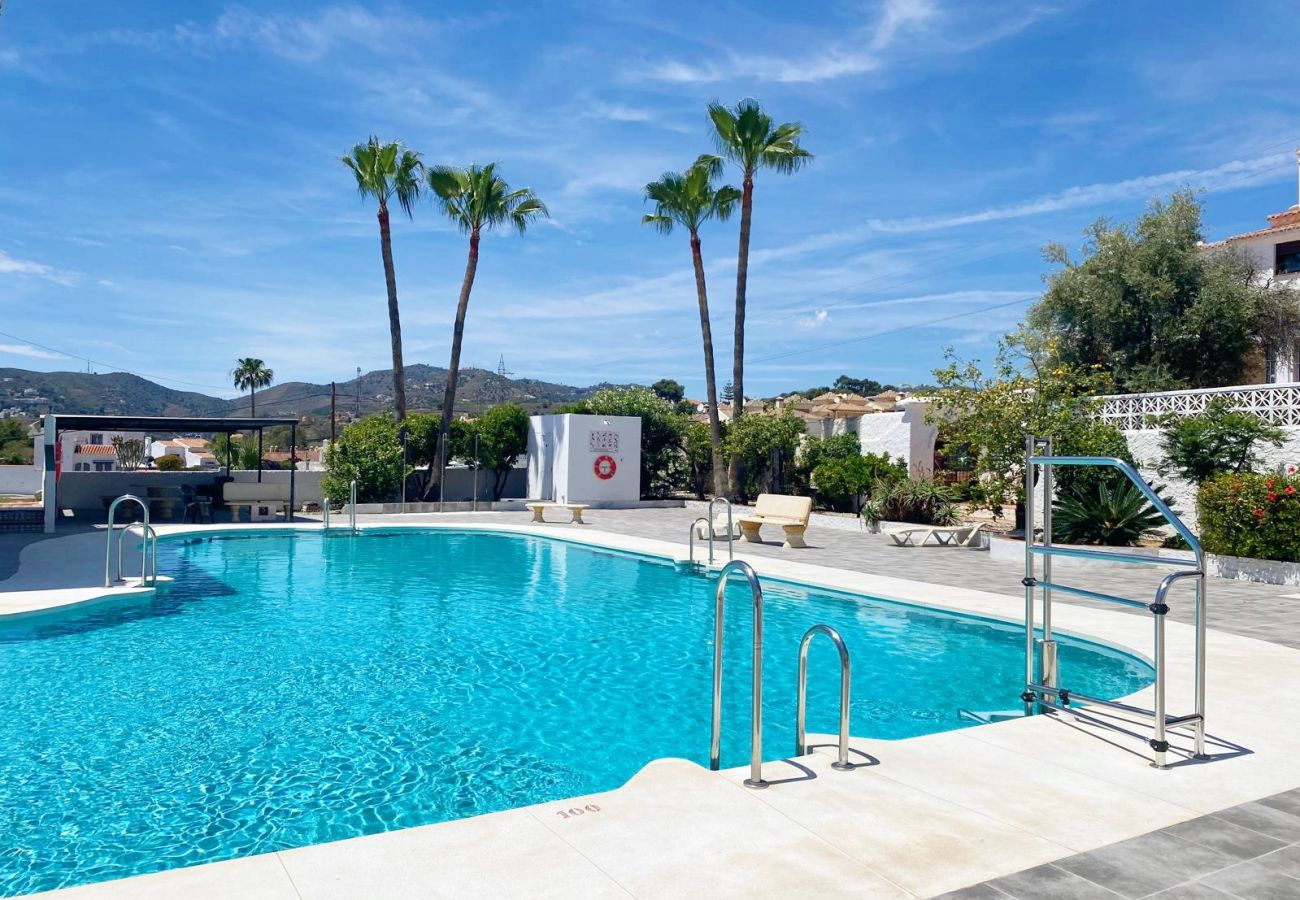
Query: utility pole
{"type": "Point", "coordinates": [333, 410]}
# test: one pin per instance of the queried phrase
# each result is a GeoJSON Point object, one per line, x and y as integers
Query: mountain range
{"type": "Point", "coordinates": [120, 393]}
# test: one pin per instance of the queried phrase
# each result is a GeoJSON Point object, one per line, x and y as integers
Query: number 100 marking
{"type": "Point", "coordinates": [574, 811]}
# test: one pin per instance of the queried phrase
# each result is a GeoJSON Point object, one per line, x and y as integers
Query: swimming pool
{"type": "Point", "coordinates": [291, 689]}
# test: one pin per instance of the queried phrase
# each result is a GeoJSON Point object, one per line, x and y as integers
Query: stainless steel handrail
{"type": "Point", "coordinates": [690, 541]}
{"type": "Point", "coordinates": [1044, 683]}
{"type": "Point", "coordinates": [150, 537]}
{"type": "Point", "coordinates": [352, 505]}
{"type": "Point", "coordinates": [325, 512]}
{"type": "Point", "coordinates": [801, 705]}
{"type": "Point", "coordinates": [755, 779]}
{"type": "Point", "coordinates": [108, 537]}
{"type": "Point", "coordinates": [731, 531]}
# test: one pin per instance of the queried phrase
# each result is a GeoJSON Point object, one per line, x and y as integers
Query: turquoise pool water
{"type": "Point", "coordinates": [294, 689]}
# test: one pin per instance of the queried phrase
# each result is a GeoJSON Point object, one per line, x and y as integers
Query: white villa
{"type": "Point", "coordinates": [85, 451]}
{"type": "Point", "coordinates": [195, 453]}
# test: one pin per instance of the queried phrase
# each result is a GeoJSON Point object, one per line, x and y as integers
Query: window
{"type": "Point", "coordinates": [103, 467]}
{"type": "Point", "coordinates": [97, 439]}
{"type": "Point", "coordinates": [1287, 258]}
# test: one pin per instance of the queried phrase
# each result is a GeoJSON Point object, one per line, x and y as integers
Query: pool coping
{"type": "Point", "coordinates": [1047, 771]}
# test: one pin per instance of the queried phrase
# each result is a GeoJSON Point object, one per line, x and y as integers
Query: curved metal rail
{"type": "Point", "coordinates": [731, 530]}
{"type": "Point", "coordinates": [352, 506]}
{"type": "Point", "coordinates": [149, 535]}
{"type": "Point", "coordinates": [109, 580]}
{"type": "Point", "coordinates": [1042, 686]}
{"type": "Point", "coordinates": [801, 705]}
{"type": "Point", "coordinates": [691, 540]}
{"type": "Point", "coordinates": [755, 779]}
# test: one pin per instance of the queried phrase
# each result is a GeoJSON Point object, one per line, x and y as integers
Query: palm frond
{"type": "Point", "coordinates": [663, 224]}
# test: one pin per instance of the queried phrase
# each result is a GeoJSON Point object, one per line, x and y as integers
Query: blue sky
{"type": "Point", "coordinates": [171, 196]}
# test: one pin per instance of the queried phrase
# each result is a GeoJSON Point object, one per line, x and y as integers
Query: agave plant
{"type": "Point", "coordinates": [1110, 513]}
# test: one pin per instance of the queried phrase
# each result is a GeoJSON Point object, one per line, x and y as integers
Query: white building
{"type": "Point", "coordinates": [584, 459]}
{"type": "Point", "coordinates": [194, 453]}
{"type": "Point", "coordinates": [1275, 252]}
{"type": "Point", "coordinates": [84, 451]}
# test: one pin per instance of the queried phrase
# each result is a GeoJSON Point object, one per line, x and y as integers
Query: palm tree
{"type": "Point", "coordinates": [747, 136]}
{"type": "Point", "coordinates": [386, 171]}
{"type": "Point", "coordinates": [689, 199]}
{"type": "Point", "coordinates": [250, 374]}
{"type": "Point", "coordinates": [476, 199]}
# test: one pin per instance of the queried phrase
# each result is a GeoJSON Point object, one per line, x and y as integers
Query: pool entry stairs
{"type": "Point", "coordinates": [1044, 688]}
{"type": "Point", "coordinates": [755, 779]}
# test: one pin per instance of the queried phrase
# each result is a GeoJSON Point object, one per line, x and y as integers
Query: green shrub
{"type": "Point", "coordinates": [169, 463]}
{"type": "Point", "coordinates": [920, 502]}
{"type": "Point", "coordinates": [1111, 514]}
{"type": "Point", "coordinates": [840, 483]}
{"type": "Point", "coordinates": [759, 441]}
{"type": "Point", "coordinates": [368, 452]}
{"type": "Point", "coordinates": [1220, 439]}
{"type": "Point", "coordinates": [1251, 515]}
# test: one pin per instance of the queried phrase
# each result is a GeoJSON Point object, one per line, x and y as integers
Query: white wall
{"type": "Point", "coordinates": [1144, 444]}
{"type": "Point", "coordinates": [562, 452]}
{"type": "Point", "coordinates": [903, 435]}
{"type": "Point", "coordinates": [20, 480]}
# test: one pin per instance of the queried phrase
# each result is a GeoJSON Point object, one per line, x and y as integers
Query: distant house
{"type": "Point", "coordinates": [194, 453]}
{"type": "Point", "coordinates": [85, 451]}
{"type": "Point", "coordinates": [1275, 253]}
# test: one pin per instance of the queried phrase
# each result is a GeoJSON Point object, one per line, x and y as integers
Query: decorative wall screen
{"type": "Point", "coordinates": [603, 442]}
{"type": "Point", "coordinates": [1278, 404]}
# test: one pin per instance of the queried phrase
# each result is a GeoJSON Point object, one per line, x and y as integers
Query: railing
{"type": "Point", "coordinates": [149, 536]}
{"type": "Point", "coordinates": [109, 578]}
{"type": "Point", "coordinates": [325, 512]}
{"type": "Point", "coordinates": [352, 506]}
{"type": "Point", "coordinates": [731, 531]}
{"type": "Point", "coordinates": [801, 705]}
{"type": "Point", "coordinates": [755, 779]}
{"type": "Point", "coordinates": [690, 540]}
{"type": "Point", "coordinates": [1278, 404]}
{"type": "Point", "coordinates": [1043, 683]}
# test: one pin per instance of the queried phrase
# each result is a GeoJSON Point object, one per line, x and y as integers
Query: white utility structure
{"type": "Point", "coordinates": [584, 459]}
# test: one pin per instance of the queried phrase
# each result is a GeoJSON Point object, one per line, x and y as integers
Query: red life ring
{"type": "Point", "coordinates": [605, 467]}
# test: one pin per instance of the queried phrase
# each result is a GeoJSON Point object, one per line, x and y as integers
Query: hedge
{"type": "Point", "coordinates": [1251, 515]}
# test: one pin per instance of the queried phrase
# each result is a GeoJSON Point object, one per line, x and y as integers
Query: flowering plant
{"type": "Point", "coordinates": [1251, 515]}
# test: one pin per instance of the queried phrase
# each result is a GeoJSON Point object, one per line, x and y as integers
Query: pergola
{"type": "Point", "coordinates": [56, 423]}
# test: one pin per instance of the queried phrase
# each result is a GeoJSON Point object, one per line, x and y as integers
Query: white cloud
{"type": "Point", "coordinates": [1239, 173]}
{"type": "Point", "coordinates": [819, 319]}
{"type": "Point", "coordinates": [29, 268]}
{"type": "Point", "coordinates": [29, 350]}
{"type": "Point", "coordinates": [308, 39]}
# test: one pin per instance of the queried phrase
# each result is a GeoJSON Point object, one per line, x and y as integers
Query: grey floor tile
{"type": "Point", "coordinates": [1050, 883]}
{"type": "Point", "coordinates": [1254, 880]}
{"type": "Point", "coordinates": [1218, 834]}
{"type": "Point", "coordinates": [975, 892]}
{"type": "Point", "coordinates": [1286, 861]}
{"type": "Point", "coordinates": [1146, 864]}
{"type": "Point", "coordinates": [1288, 802]}
{"type": "Point", "coordinates": [1260, 817]}
{"type": "Point", "coordinates": [1193, 891]}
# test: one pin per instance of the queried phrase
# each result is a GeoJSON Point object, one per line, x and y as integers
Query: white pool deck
{"type": "Point", "coordinates": [929, 815]}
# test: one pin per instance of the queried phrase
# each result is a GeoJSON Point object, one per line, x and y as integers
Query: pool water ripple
{"type": "Point", "coordinates": [294, 689]}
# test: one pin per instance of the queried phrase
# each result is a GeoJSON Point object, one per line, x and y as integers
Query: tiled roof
{"type": "Point", "coordinates": [95, 450]}
{"type": "Point", "coordinates": [1272, 229]}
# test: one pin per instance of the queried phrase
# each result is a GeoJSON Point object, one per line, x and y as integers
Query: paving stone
{"type": "Point", "coordinates": [1193, 891]}
{"type": "Point", "coordinates": [1259, 816]}
{"type": "Point", "coordinates": [1285, 861]}
{"type": "Point", "coordinates": [975, 892]}
{"type": "Point", "coordinates": [1235, 841]}
{"type": "Point", "coordinates": [1288, 802]}
{"type": "Point", "coordinates": [1051, 883]}
{"type": "Point", "coordinates": [1145, 864]}
{"type": "Point", "coordinates": [1254, 880]}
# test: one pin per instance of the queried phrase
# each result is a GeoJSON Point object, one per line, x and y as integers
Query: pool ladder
{"type": "Point", "coordinates": [708, 525]}
{"type": "Point", "coordinates": [148, 546]}
{"type": "Point", "coordinates": [352, 508]}
{"type": "Point", "coordinates": [755, 779]}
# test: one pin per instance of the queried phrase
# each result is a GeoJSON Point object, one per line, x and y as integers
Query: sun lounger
{"type": "Point", "coordinates": [791, 513]}
{"type": "Point", "coordinates": [944, 535]}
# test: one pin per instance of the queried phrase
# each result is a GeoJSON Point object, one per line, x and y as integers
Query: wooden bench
{"type": "Point", "coordinates": [944, 535]}
{"type": "Point", "coordinates": [575, 511]}
{"type": "Point", "coordinates": [791, 513]}
{"type": "Point", "coordinates": [239, 494]}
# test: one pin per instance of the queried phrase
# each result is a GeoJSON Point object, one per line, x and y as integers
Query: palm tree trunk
{"type": "Point", "coordinates": [710, 380]}
{"type": "Point", "coordinates": [394, 320]}
{"type": "Point", "coordinates": [457, 334]}
{"type": "Point", "coordinates": [735, 471]}
{"type": "Point", "coordinates": [252, 402]}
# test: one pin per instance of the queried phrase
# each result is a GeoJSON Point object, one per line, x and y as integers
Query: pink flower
{"type": "Point", "coordinates": [1259, 513]}
{"type": "Point", "coordinates": [1272, 495]}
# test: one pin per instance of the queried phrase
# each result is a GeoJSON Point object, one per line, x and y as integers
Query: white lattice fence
{"type": "Point", "coordinates": [1275, 403]}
